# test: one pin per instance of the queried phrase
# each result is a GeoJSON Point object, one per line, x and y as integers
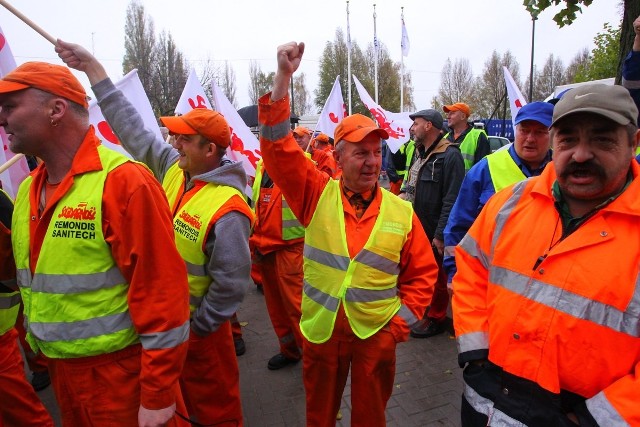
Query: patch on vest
{"type": "Point", "coordinates": [392, 227]}
{"type": "Point", "coordinates": [188, 226]}
{"type": "Point", "coordinates": [78, 222]}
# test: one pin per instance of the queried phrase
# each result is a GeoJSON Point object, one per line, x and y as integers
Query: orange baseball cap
{"type": "Point", "coordinates": [200, 121]}
{"type": "Point", "coordinates": [51, 78]}
{"type": "Point", "coordinates": [458, 106]}
{"type": "Point", "coordinates": [323, 138]}
{"type": "Point", "coordinates": [356, 127]}
{"type": "Point", "coordinates": [301, 130]}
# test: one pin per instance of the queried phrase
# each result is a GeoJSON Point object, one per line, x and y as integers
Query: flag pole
{"type": "Point", "coordinates": [28, 21]}
{"type": "Point", "coordinates": [401, 65]}
{"type": "Point", "coordinates": [375, 54]}
{"type": "Point", "coordinates": [348, 59]}
{"type": "Point", "coordinates": [11, 162]}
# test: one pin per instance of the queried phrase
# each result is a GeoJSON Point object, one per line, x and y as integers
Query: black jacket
{"type": "Point", "coordinates": [437, 187]}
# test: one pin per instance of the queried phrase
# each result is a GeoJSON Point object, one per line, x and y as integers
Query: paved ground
{"type": "Point", "coordinates": [427, 387]}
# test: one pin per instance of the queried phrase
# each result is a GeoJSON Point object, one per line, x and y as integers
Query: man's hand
{"type": "Point", "coordinates": [636, 26]}
{"type": "Point", "coordinates": [77, 57]}
{"type": "Point", "coordinates": [438, 245]}
{"type": "Point", "coordinates": [155, 417]}
{"type": "Point", "coordinates": [289, 57]}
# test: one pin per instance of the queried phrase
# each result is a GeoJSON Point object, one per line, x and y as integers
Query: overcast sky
{"type": "Point", "coordinates": [242, 30]}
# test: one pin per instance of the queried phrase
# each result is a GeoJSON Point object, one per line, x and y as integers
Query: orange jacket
{"type": "Point", "coordinates": [302, 184]}
{"type": "Point", "coordinates": [564, 314]}
{"type": "Point", "coordinates": [267, 230]}
{"type": "Point", "coordinates": [138, 226]}
{"type": "Point", "coordinates": [325, 162]}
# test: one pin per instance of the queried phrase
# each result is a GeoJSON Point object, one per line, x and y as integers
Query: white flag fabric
{"type": "Point", "coordinates": [404, 42]}
{"type": "Point", "coordinates": [193, 96]}
{"type": "Point", "coordinates": [516, 99]}
{"type": "Point", "coordinates": [333, 111]}
{"type": "Point", "coordinates": [245, 146]}
{"type": "Point", "coordinates": [396, 124]}
{"type": "Point", "coordinates": [131, 87]}
{"type": "Point", "coordinates": [12, 177]}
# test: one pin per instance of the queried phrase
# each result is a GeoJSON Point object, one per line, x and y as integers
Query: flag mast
{"type": "Point", "coordinates": [348, 60]}
{"type": "Point", "coordinates": [375, 54]}
{"type": "Point", "coordinates": [402, 61]}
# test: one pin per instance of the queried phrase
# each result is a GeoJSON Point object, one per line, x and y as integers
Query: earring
{"type": "Point", "coordinates": [54, 124]}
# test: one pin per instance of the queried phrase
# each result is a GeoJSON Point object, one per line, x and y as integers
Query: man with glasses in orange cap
{"type": "Point", "coordinates": [367, 275]}
{"type": "Point", "coordinates": [96, 259]}
{"type": "Point", "coordinates": [211, 219]}
{"type": "Point", "coordinates": [473, 143]}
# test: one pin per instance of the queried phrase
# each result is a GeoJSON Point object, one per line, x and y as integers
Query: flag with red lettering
{"type": "Point", "coordinates": [516, 99]}
{"type": "Point", "coordinates": [12, 177]}
{"type": "Point", "coordinates": [131, 87]}
{"type": "Point", "coordinates": [396, 124]}
{"type": "Point", "coordinates": [193, 96]}
{"type": "Point", "coordinates": [245, 146]}
{"type": "Point", "coordinates": [333, 111]}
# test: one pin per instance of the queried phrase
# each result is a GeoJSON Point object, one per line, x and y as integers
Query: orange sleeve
{"type": "Point", "coordinates": [298, 179]}
{"type": "Point", "coordinates": [137, 224]}
{"type": "Point", "coordinates": [418, 274]}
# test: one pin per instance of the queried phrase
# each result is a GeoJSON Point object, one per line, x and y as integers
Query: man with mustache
{"type": "Point", "coordinates": [546, 298]}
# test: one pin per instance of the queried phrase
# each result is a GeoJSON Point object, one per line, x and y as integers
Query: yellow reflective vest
{"type": "Point", "coordinates": [503, 170]}
{"type": "Point", "coordinates": [75, 302]}
{"type": "Point", "coordinates": [190, 225]}
{"type": "Point", "coordinates": [366, 284]}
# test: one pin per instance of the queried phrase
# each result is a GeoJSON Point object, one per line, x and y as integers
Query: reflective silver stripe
{"type": "Point", "coordinates": [195, 301]}
{"type": "Point", "coordinates": [326, 258]}
{"type": "Point", "coordinates": [369, 295]}
{"type": "Point", "coordinates": [470, 246]}
{"type": "Point", "coordinates": [631, 84]}
{"type": "Point", "coordinates": [467, 156]}
{"type": "Point", "coordinates": [627, 322]}
{"type": "Point", "coordinates": [407, 315]}
{"type": "Point", "coordinates": [603, 411]}
{"type": "Point", "coordinates": [275, 132]}
{"type": "Point", "coordinates": [285, 204]}
{"type": "Point", "coordinates": [325, 300]}
{"type": "Point", "coordinates": [505, 212]}
{"type": "Point", "coordinates": [9, 301]}
{"type": "Point", "coordinates": [196, 269]}
{"type": "Point", "coordinates": [10, 283]}
{"type": "Point", "coordinates": [485, 406]}
{"type": "Point", "coordinates": [76, 283]}
{"type": "Point", "coordinates": [473, 341]}
{"type": "Point", "coordinates": [290, 223]}
{"type": "Point", "coordinates": [378, 262]}
{"type": "Point", "coordinates": [23, 277]}
{"type": "Point", "coordinates": [166, 339]}
{"type": "Point", "coordinates": [81, 329]}
{"type": "Point", "coordinates": [449, 251]}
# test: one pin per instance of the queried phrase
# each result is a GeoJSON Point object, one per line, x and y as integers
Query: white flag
{"type": "Point", "coordinates": [333, 111]}
{"type": "Point", "coordinates": [12, 177]}
{"type": "Point", "coordinates": [516, 99]}
{"type": "Point", "coordinates": [396, 124]}
{"type": "Point", "coordinates": [193, 96]}
{"type": "Point", "coordinates": [131, 87]}
{"type": "Point", "coordinates": [404, 42]}
{"type": "Point", "coordinates": [245, 146]}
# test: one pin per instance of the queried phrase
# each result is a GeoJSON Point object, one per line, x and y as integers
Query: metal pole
{"type": "Point", "coordinates": [401, 68]}
{"type": "Point", "coordinates": [348, 60]}
{"type": "Point", "coordinates": [533, 38]}
{"type": "Point", "coordinates": [292, 98]}
{"type": "Point", "coordinates": [375, 54]}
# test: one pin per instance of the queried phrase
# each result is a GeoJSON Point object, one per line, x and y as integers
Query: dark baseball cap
{"type": "Point", "coordinates": [612, 102]}
{"type": "Point", "coordinates": [429, 115]}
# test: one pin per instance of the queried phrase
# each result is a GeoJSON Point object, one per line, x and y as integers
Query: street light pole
{"type": "Point", "coordinates": [534, 17]}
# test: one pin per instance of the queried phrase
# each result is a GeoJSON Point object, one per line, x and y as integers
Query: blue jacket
{"type": "Point", "coordinates": [476, 189]}
{"type": "Point", "coordinates": [631, 76]}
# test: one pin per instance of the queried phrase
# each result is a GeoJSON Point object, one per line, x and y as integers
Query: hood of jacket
{"type": "Point", "coordinates": [229, 173]}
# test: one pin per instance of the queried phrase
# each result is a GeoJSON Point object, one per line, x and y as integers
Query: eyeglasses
{"type": "Point", "coordinates": [536, 133]}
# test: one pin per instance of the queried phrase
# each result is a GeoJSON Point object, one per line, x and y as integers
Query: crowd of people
{"type": "Point", "coordinates": [129, 273]}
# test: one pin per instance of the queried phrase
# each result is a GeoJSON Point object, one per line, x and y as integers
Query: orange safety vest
{"type": "Point", "coordinates": [564, 314]}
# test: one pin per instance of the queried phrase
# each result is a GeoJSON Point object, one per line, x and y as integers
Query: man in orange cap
{"type": "Point", "coordinates": [211, 219]}
{"type": "Point", "coordinates": [473, 143]}
{"type": "Point", "coordinates": [322, 154]}
{"type": "Point", "coordinates": [96, 259]}
{"type": "Point", "coordinates": [367, 275]}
